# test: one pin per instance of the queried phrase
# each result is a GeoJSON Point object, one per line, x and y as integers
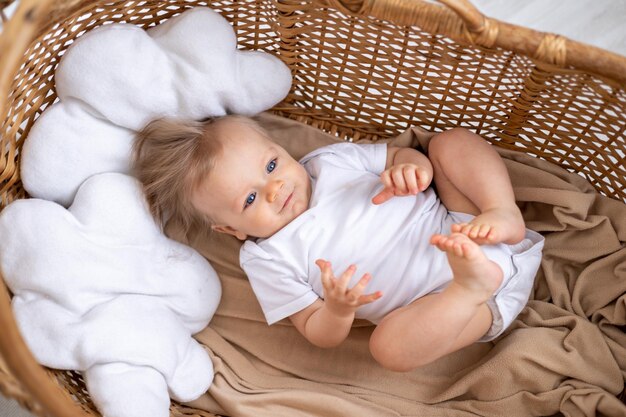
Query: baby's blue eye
{"type": "Point", "coordinates": [249, 200]}
{"type": "Point", "coordinates": [271, 166]}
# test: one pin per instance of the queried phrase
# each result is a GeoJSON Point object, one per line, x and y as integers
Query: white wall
{"type": "Point", "coordinates": [600, 23]}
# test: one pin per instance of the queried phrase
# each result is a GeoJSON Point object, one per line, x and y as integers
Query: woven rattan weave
{"type": "Point", "coordinates": [361, 69]}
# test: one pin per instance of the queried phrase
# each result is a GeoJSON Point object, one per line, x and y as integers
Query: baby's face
{"type": "Point", "coordinates": [255, 187]}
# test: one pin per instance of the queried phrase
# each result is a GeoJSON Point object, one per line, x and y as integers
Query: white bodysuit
{"type": "Point", "coordinates": [390, 241]}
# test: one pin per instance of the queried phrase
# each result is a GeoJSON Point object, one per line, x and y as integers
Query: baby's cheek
{"type": "Point", "coordinates": [265, 225]}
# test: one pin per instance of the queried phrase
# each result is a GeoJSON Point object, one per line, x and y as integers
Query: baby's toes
{"type": "Point", "coordinates": [492, 235]}
{"type": "Point", "coordinates": [441, 241]}
{"type": "Point", "coordinates": [458, 249]}
{"type": "Point", "coordinates": [446, 245]}
{"type": "Point", "coordinates": [456, 228]}
{"type": "Point", "coordinates": [474, 231]}
{"type": "Point", "coordinates": [465, 229]}
{"type": "Point", "coordinates": [483, 231]}
{"type": "Point", "coordinates": [470, 250]}
{"type": "Point", "coordinates": [455, 242]}
{"type": "Point", "coordinates": [436, 239]}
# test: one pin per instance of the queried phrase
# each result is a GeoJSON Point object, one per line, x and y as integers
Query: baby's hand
{"type": "Point", "coordinates": [402, 180]}
{"type": "Point", "coordinates": [339, 299]}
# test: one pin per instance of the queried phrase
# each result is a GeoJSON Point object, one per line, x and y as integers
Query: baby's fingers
{"type": "Point", "coordinates": [388, 191]}
{"type": "Point", "coordinates": [344, 279]}
{"type": "Point", "coordinates": [383, 196]}
{"type": "Point", "coordinates": [399, 181]}
{"type": "Point", "coordinates": [328, 281]}
{"type": "Point", "coordinates": [417, 179]}
{"type": "Point", "coordinates": [359, 287]}
{"type": "Point", "coordinates": [368, 298]}
{"type": "Point", "coordinates": [355, 294]}
{"type": "Point", "coordinates": [411, 177]}
{"type": "Point", "coordinates": [423, 179]}
{"type": "Point", "coordinates": [386, 178]}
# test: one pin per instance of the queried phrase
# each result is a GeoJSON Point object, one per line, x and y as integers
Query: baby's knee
{"type": "Point", "coordinates": [385, 351]}
{"type": "Point", "coordinates": [444, 140]}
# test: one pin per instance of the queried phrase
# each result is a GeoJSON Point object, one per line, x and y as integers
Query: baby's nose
{"type": "Point", "coordinates": [273, 188]}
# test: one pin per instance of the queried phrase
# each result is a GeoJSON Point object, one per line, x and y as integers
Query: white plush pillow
{"type": "Point", "coordinates": [115, 79]}
{"type": "Point", "coordinates": [98, 288]}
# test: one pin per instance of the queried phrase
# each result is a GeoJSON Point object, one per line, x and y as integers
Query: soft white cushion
{"type": "Point", "coordinates": [116, 78]}
{"type": "Point", "coordinates": [98, 288]}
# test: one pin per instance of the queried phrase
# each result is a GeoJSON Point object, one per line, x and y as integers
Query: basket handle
{"type": "Point", "coordinates": [487, 32]}
{"type": "Point", "coordinates": [480, 29]}
{"type": "Point", "coordinates": [473, 18]}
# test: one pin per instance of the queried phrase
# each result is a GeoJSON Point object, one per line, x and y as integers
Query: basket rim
{"type": "Point", "coordinates": [463, 22]}
{"type": "Point", "coordinates": [30, 374]}
{"type": "Point", "coordinates": [457, 19]}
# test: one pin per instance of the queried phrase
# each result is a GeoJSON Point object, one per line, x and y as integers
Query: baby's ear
{"type": "Point", "coordinates": [229, 231]}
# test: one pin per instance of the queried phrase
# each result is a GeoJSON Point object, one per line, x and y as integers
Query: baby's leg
{"type": "Point", "coordinates": [438, 324]}
{"type": "Point", "coordinates": [471, 178]}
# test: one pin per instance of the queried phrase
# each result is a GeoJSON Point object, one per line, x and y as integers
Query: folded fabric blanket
{"type": "Point", "coordinates": [99, 289]}
{"type": "Point", "coordinates": [116, 78]}
{"type": "Point", "coordinates": [566, 352]}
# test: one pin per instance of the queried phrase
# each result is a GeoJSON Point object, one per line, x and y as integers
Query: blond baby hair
{"type": "Point", "coordinates": [171, 157]}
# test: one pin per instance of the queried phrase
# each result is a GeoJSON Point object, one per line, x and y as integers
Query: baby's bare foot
{"type": "Point", "coordinates": [472, 270]}
{"type": "Point", "coordinates": [494, 226]}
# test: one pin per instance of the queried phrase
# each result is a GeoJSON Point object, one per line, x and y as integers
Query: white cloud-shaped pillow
{"type": "Point", "coordinates": [99, 289]}
{"type": "Point", "coordinates": [116, 78]}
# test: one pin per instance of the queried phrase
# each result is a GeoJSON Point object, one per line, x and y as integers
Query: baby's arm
{"type": "Point", "coordinates": [407, 172]}
{"type": "Point", "coordinates": [326, 323]}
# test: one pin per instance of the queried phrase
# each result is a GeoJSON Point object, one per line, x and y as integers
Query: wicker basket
{"type": "Point", "coordinates": [361, 69]}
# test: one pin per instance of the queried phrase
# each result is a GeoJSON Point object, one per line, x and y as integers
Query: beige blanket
{"type": "Point", "coordinates": [566, 352]}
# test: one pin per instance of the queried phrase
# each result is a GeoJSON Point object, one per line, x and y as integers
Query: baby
{"type": "Point", "coordinates": [441, 270]}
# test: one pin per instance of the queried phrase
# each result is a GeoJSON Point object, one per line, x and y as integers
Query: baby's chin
{"type": "Point", "coordinates": [281, 225]}
{"type": "Point", "coordinates": [298, 208]}
{"type": "Point", "coordinates": [294, 212]}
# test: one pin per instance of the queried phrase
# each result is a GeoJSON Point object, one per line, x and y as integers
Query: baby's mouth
{"type": "Point", "coordinates": [287, 200]}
